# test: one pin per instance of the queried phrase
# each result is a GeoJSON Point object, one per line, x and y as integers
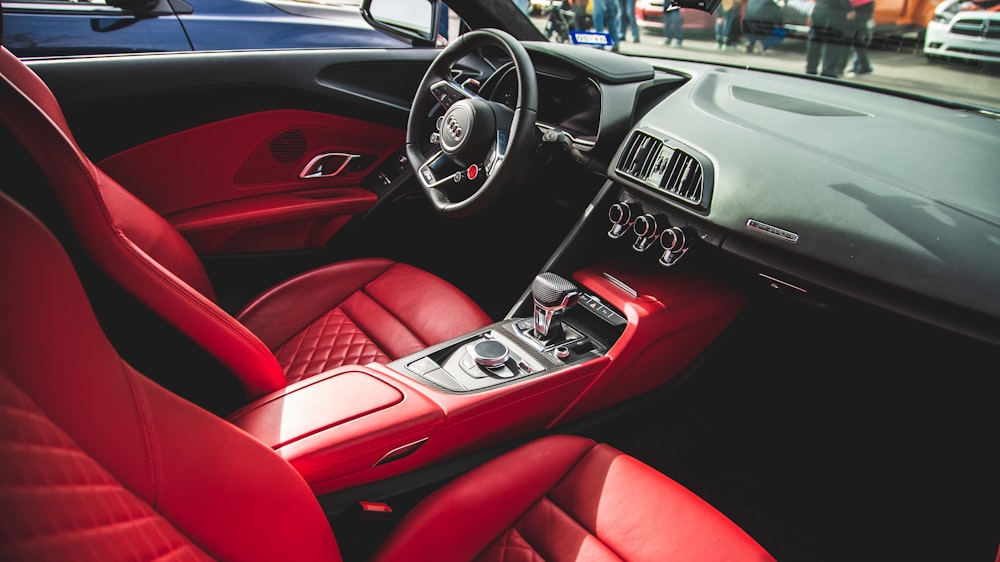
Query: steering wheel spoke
{"type": "Point", "coordinates": [447, 93]}
{"type": "Point", "coordinates": [439, 172]}
{"type": "Point", "coordinates": [426, 173]}
{"type": "Point", "coordinates": [497, 153]}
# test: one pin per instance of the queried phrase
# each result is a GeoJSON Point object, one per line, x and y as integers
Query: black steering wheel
{"type": "Point", "coordinates": [480, 143]}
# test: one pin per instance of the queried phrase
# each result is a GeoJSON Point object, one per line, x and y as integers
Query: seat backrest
{"type": "Point", "coordinates": [136, 247]}
{"type": "Point", "coordinates": [97, 462]}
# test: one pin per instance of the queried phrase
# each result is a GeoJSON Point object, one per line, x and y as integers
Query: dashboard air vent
{"type": "Point", "coordinates": [668, 167]}
{"type": "Point", "coordinates": [640, 156]}
{"type": "Point", "coordinates": [683, 177]}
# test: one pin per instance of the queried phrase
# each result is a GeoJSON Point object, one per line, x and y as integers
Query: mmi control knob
{"type": "Point", "coordinates": [490, 353]}
{"type": "Point", "coordinates": [621, 215]}
{"type": "Point", "coordinates": [674, 242]}
{"type": "Point", "coordinates": [645, 229]}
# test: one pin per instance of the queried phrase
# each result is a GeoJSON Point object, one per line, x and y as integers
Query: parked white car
{"type": "Point", "coordinates": [962, 29]}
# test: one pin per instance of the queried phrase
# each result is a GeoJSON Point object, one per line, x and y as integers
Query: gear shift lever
{"type": "Point", "coordinates": [553, 295]}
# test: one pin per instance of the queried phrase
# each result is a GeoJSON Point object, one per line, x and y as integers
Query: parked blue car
{"type": "Point", "coordinates": [34, 28]}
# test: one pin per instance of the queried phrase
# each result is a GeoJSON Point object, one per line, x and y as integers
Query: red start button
{"type": "Point", "coordinates": [472, 172]}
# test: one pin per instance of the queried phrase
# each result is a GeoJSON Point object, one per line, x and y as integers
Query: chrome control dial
{"type": "Point", "coordinates": [622, 216]}
{"type": "Point", "coordinates": [489, 353]}
{"type": "Point", "coordinates": [674, 244]}
{"type": "Point", "coordinates": [645, 230]}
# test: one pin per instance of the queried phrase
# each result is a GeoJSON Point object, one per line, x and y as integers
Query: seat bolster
{"type": "Point", "coordinates": [126, 250]}
{"type": "Point", "coordinates": [151, 232]}
{"type": "Point", "coordinates": [566, 498]}
{"type": "Point", "coordinates": [33, 86]}
{"type": "Point", "coordinates": [430, 307]}
{"type": "Point", "coordinates": [284, 310]}
{"type": "Point", "coordinates": [49, 327]}
{"type": "Point", "coordinates": [229, 492]}
{"type": "Point", "coordinates": [462, 518]}
{"type": "Point", "coordinates": [642, 515]}
{"type": "Point", "coordinates": [220, 487]}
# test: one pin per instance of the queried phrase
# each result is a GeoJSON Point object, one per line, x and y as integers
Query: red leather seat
{"type": "Point", "coordinates": [565, 497]}
{"type": "Point", "coordinates": [347, 313]}
{"type": "Point", "coordinates": [99, 463]}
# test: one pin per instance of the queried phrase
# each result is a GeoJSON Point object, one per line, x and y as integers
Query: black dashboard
{"type": "Point", "coordinates": [768, 168]}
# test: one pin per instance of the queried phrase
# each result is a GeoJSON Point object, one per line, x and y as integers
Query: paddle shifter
{"type": "Point", "coordinates": [553, 295]}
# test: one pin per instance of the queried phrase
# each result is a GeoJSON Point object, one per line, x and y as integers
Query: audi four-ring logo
{"type": "Point", "coordinates": [454, 127]}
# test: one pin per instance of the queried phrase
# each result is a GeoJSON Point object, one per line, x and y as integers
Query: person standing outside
{"type": "Point", "coordinates": [762, 26]}
{"type": "Point", "coordinates": [628, 20]}
{"type": "Point", "coordinates": [673, 23]}
{"type": "Point", "coordinates": [828, 42]}
{"type": "Point", "coordinates": [729, 11]}
{"type": "Point", "coordinates": [860, 30]}
{"type": "Point", "coordinates": [579, 8]}
{"type": "Point", "coordinates": [607, 18]}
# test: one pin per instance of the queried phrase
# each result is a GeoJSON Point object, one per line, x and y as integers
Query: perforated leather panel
{"type": "Point", "coordinates": [66, 505]}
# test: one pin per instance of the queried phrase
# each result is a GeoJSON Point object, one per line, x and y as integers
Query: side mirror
{"type": "Point", "coordinates": [410, 20]}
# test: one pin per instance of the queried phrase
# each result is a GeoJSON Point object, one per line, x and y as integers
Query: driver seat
{"type": "Point", "coordinates": [352, 312]}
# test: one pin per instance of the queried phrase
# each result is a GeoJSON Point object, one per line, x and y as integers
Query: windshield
{"type": "Point", "coordinates": [947, 51]}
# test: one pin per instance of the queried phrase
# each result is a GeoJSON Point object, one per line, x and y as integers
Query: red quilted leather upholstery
{"type": "Point", "coordinates": [331, 341]}
{"type": "Point", "coordinates": [150, 259]}
{"type": "Point", "coordinates": [378, 310]}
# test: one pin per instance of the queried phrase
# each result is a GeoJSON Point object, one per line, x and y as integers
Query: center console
{"type": "Point", "coordinates": [611, 332]}
{"type": "Point", "coordinates": [568, 327]}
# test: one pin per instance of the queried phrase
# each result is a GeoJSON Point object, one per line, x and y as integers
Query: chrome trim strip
{"type": "Point", "coordinates": [400, 452]}
{"type": "Point", "coordinates": [620, 284]}
{"type": "Point", "coordinates": [65, 7]}
{"type": "Point", "coordinates": [786, 235]}
{"type": "Point", "coordinates": [304, 174]}
{"type": "Point", "coordinates": [774, 280]}
{"type": "Point", "coordinates": [426, 176]}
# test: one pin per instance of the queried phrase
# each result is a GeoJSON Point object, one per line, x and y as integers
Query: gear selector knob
{"type": "Point", "coordinates": [553, 295]}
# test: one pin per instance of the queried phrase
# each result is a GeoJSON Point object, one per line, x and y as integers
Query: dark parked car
{"type": "Point", "coordinates": [35, 28]}
{"type": "Point", "coordinates": [502, 299]}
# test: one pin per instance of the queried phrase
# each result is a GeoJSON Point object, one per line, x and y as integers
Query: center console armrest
{"type": "Point", "coordinates": [341, 427]}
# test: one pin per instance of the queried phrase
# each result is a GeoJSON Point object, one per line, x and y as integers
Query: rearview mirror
{"type": "Point", "coordinates": [415, 20]}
